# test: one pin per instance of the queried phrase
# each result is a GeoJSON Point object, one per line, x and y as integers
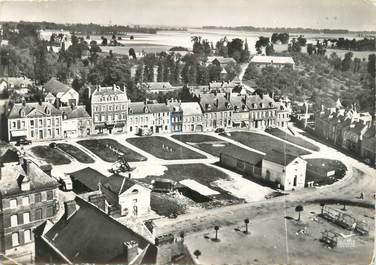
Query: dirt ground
{"type": "Point", "coordinates": [275, 239]}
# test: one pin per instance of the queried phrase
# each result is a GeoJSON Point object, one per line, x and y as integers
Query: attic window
{"type": "Point", "coordinates": [22, 113]}
{"type": "Point", "coordinates": [135, 191]}
{"type": "Point", "coordinates": [261, 105]}
{"type": "Point", "coordinates": [271, 104]}
{"type": "Point", "coordinates": [48, 111]}
{"type": "Point", "coordinates": [146, 110]}
{"type": "Point", "coordinates": [253, 105]}
{"type": "Point", "coordinates": [130, 110]}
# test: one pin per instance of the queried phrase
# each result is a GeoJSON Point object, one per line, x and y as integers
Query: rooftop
{"type": "Point", "coordinates": [91, 236]}
{"type": "Point", "coordinates": [280, 158]}
{"type": "Point", "coordinates": [211, 103]}
{"type": "Point", "coordinates": [118, 183]}
{"type": "Point", "coordinates": [35, 108]}
{"type": "Point", "coordinates": [191, 108]}
{"type": "Point", "coordinates": [55, 86]}
{"type": "Point", "coordinates": [76, 112]}
{"type": "Point", "coordinates": [88, 177]}
{"type": "Point", "coordinates": [272, 59]}
{"type": "Point", "coordinates": [13, 175]}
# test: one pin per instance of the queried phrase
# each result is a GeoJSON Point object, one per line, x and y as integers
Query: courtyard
{"type": "Point", "coordinates": [50, 155]}
{"type": "Point", "coordinates": [164, 148]}
{"type": "Point", "coordinates": [265, 143]}
{"type": "Point", "coordinates": [109, 150]}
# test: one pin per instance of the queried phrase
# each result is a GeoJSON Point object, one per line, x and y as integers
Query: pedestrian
{"type": "Point", "coordinates": [361, 195]}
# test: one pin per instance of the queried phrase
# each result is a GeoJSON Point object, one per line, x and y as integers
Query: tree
{"type": "Point", "coordinates": [132, 53]}
{"type": "Point", "coordinates": [246, 222]}
{"type": "Point", "coordinates": [347, 61]}
{"type": "Point", "coordinates": [197, 253]}
{"type": "Point", "coordinates": [299, 209]}
{"type": "Point", "coordinates": [216, 228]}
{"type": "Point", "coordinates": [269, 50]}
{"type": "Point", "coordinates": [322, 204]}
{"type": "Point", "coordinates": [235, 48]}
{"type": "Point", "coordinates": [371, 65]}
{"type": "Point", "coordinates": [261, 42]}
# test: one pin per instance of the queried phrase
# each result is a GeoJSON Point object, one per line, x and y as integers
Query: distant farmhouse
{"type": "Point", "coordinates": [276, 61]}
{"type": "Point", "coordinates": [64, 95]}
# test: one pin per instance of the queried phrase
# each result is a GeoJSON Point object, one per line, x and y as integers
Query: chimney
{"type": "Point", "coordinates": [23, 102]}
{"type": "Point", "coordinates": [130, 249]}
{"type": "Point", "coordinates": [114, 87]}
{"type": "Point", "coordinates": [69, 208]}
{"type": "Point", "coordinates": [216, 102]}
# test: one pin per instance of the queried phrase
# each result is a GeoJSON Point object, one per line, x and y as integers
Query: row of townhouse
{"type": "Point", "coordinates": [112, 112]}
{"type": "Point", "coordinates": [234, 110]}
{"type": "Point", "coordinates": [38, 121]}
{"type": "Point", "coordinates": [349, 130]}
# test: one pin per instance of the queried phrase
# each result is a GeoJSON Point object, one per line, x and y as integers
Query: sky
{"type": "Point", "coordinates": [337, 14]}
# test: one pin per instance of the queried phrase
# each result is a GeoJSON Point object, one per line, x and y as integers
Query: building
{"type": "Point", "coordinates": [286, 170]}
{"type": "Point", "coordinates": [283, 171]}
{"type": "Point", "coordinates": [64, 94]}
{"type": "Point", "coordinates": [352, 136]}
{"type": "Point", "coordinates": [139, 117]}
{"type": "Point", "coordinates": [20, 85]}
{"type": "Point", "coordinates": [275, 61]}
{"type": "Point", "coordinates": [159, 87]}
{"type": "Point", "coordinates": [262, 111]}
{"type": "Point", "coordinates": [109, 109]}
{"type": "Point", "coordinates": [176, 115]}
{"type": "Point", "coordinates": [283, 112]}
{"type": "Point", "coordinates": [368, 147]}
{"type": "Point", "coordinates": [192, 117]}
{"type": "Point", "coordinates": [102, 240]}
{"type": "Point", "coordinates": [34, 121]}
{"type": "Point", "coordinates": [86, 180]}
{"type": "Point", "coordinates": [217, 110]}
{"type": "Point", "coordinates": [125, 197]}
{"type": "Point", "coordinates": [240, 115]}
{"type": "Point", "coordinates": [220, 61]}
{"type": "Point", "coordinates": [161, 117]}
{"type": "Point", "coordinates": [76, 122]}
{"type": "Point", "coordinates": [28, 198]}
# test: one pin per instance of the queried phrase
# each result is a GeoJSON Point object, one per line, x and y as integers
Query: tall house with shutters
{"type": "Point", "coordinates": [28, 197]}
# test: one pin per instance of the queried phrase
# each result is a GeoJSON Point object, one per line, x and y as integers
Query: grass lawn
{"type": "Point", "coordinates": [50, 155]}
{"type": "Point", "coordinates": [317, 171]}
{"type": "Point", "coordinates": [81, 156]}
{"type": "Point", "coordinates": [265, 143]}
{"type": "Point", "coordinates": [292, 139]}
{"type": "Point", "coordinates": [165, 205]}
{"type": "Point", "coordinates": [203, 174]}
{"type": "Point", "coordinates": [172, 151]}
{"type": "Point", "coordinates": [209, 144]}
{"type": "Point", "coordinates": [109, 150]}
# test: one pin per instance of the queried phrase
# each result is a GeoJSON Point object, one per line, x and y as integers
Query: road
{"type": "Point", "coordinates": [359, 178]}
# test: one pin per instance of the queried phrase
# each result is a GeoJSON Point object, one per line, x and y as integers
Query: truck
{"type": "Point", "coordinates": [65, 181]}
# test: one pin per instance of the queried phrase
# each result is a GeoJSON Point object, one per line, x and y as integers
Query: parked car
{"type": "Point", "coordinates": [52, 145]}
{"type": "Point", "coordinates": [144, 132]}
{"type": "Point", "coordinates": [23, 141]}
{"type": "Point", "coordinates": [219, 130]}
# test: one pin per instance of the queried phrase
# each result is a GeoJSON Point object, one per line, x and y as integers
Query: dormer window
{"type": "Point", "coordinates": [146, 109]}
{"type": "Point", "coordinates": [65, 116]}
{"type": "Point", "coordinates": [253, 105]}
{"type": "Point", "coordinates": [130, 111]}
{"type": "Point", "coordinates": [271, 104]}
{"type": "Point", "coordinates": [22, 113]}
{"type": "Point", "coordinates": [47, 111]}
{"type": "Point", "coordinates": [261, 105]}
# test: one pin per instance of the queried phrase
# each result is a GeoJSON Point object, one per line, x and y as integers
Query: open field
{"type": "Point", "coordinates": [163, 148]}
{"type": "Point", "coordinates": [265, 143]}
{"type": "Point", "coordinates": [292, 139]}
{"type": "Point", "coordinates": [109, 150]}
{"type": "Point", "coordinates": [317, 170]}
{"type": "Point", "coordinates": [79, 155]}
{"type": "Point", "coordinates": [209, 144]}
{"type": "Point", "coordinates": [50, 155]}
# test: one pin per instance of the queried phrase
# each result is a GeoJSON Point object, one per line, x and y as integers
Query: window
{"type": "Point", "coordinates": [32, 123]}
{"type": "Point", "coordinates": [96, 118]}
{"type": "Point", "coordinates": [40, 123]}
{"type": "Point", "coordinates": [50, 211]}
{"type": "Point", "coordinates": [38, 214]}
{"type": "Point", "coordinates": [15, 239]}
{"type": "Point", "coordinates": [32, 134]}
{"type": "Point", "coordinates": [50, 195]}
{"type": "Point", "coordinates": [14, 124]}
{"type": "Point", "coordinates": [13, 220]}
{"type": "Point", "coordinates": [57, 121]}
{"type": "Point", "coordinates": [48, 122]}
{"type": "Point", "coordinates": [27, 236]}
{"type": "Point", "coordinates": [23, 124]}
{"type": "Point", "coordinates": [37, 197]}
{"type": "Point", "coordinates": [13, 203]}
{"type": "Point", "coordinates": [57, 132]}
{"type": "Point", "coordinates": [25, 201]}
{"type": "Point", "coordinates": [26, 218]}
{"type": "Point", "coordinates": [49, 133]}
